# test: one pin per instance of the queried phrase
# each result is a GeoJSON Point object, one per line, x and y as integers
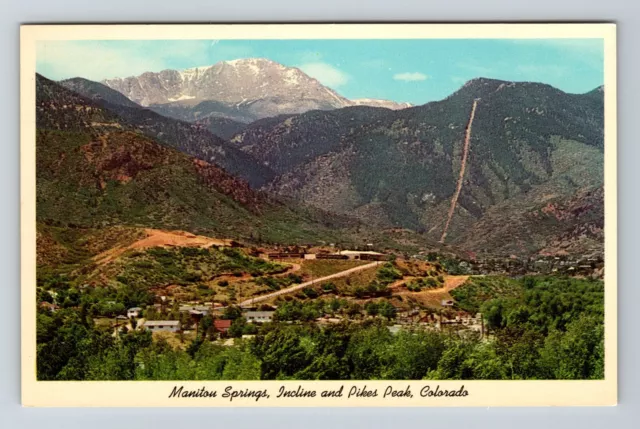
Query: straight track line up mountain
{"type": "Point", "coordinates": [463, 166]}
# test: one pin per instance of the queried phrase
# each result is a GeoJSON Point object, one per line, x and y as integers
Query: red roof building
{"type": "Point", "coordinates": [222, 325]}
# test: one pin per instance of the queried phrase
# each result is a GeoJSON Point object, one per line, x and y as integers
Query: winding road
{"type": "Point", "coordinates": [294, 288]}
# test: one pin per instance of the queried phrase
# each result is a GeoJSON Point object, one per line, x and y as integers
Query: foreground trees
{"type": "Point", "coordinates": [537, 329]}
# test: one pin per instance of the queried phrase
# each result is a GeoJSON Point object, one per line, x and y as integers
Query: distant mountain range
{"type": "Point", "coordinates": [243, 90]}
{"type": "Point", "coordinates": [533, 182]}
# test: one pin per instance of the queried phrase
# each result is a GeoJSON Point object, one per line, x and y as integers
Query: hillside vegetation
{"type": "Point", "coordinates": [531, 145]}
{"type": "Point", "coordinates": [95, 169]}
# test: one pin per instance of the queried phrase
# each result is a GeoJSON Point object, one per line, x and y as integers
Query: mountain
{"type": "Point", "coordinates": [223, 127]}
{"type": "Point", "coordinates": [256, 86]}
{"type": "Point", "coordinates": [284, 142]}
{"type": "Point", "coordinates": [93, 169]}
{"type": "Point", "coordinates": [532, 184]}
{"type": "Point", "coordinates": [531, 145]}
{"type": "Point", "coordinates": [97, 92]}
{"type": "Point", "coordinates": [243, 90]}
{"type": "Point", "coordinates": [194, 139]}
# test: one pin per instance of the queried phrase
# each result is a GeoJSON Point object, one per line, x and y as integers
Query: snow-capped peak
{"type": "Point", "coordinates": [278, 88]}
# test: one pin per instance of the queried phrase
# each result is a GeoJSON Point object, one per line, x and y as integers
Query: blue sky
{"type": "Point", "coordinates": [415, 71]}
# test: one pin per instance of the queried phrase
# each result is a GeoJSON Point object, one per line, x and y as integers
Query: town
{"type": "Point", "coordinates": [316, 285]}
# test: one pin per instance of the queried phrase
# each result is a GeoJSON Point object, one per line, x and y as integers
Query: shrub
{"type": "Point", "coordinates": [192, 277]}
{"type": "Point", "coordinates": [310, 292]}
{"type": "Point", "coordinates": [329, 287]}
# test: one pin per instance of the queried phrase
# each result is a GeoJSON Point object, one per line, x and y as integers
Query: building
{"type": "Point", "coordinates": [259, 316]}
{"type": "Point", "coordinates": [285, 255]}
{"type": "Point", "coordinates": [326, 320]}
{"type": "Point", "coordinates": [330, 256]}
{"type": "Point", "coordinates": [446, 303]}
{"type": "Point", "coordinates": [222, 325]}
{"type": "Point", "coordinates": [197, 309]}
{"type": "Point", "coordinates": [134, 312]}
{"type": "Point", "coordinates": [364, 255]}
{"type": "Point", "coordinates": [162, 325]}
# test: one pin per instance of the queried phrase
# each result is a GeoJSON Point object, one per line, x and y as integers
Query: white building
{"type": "Point", "coordinates": [133, 312]}
{"type": "Point", "coordinates": [195, 309]}
{"type": "Point", "coordinates": [363, 255]}
{"type": "Point", "coordinates": [162, 325]}
{"type": "Point", "coordinates": [259, 316]}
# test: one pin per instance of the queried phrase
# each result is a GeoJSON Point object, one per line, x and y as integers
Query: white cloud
{"type": "Point", "coordinates": [325, 73]}
{"type": "Point", "coordinates": [410, 77]}
{"type": "Point", "coordinates": [59, 60]}
{"type": "Point", "coordinates": [99, 60]}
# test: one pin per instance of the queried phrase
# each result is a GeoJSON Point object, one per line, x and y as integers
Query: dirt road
{"type": "Point", "coordinates": [294, 288]}
{"type": "Point", "coordinates": [160, 238]}
{"type": "Point", "coordinates": [433, 297]}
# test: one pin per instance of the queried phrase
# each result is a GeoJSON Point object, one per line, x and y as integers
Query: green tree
{"type": "Point", "coordinates": [237, 328]}
{"type": "Point", "coordinates": [386, 309]}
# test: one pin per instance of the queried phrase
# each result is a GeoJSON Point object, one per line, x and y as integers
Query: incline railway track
{"type": "Point", "coordinates": [463, 166]}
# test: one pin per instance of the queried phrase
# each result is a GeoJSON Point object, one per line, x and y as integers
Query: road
{"type": "Point", "coordinates": [294, 288]}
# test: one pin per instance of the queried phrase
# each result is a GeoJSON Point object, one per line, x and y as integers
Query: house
{"type": "Point", "coordinates": [446, 303]}
{"type": "Point", "coordinates": [285, 255]}
{"type": "Point", "coordinates": [222, 325]}
{"type": "Point", "coordinates": [330, 256]}
{"type": "Point", "coordinates": [428, 319]}
{"type": "Point", "coordinates": [134, 312]}
{"type": "Point", "coordinates": [326, 320]}
{"type": "Point", "coordinates": [195, 309]}
{"type": "Point", "coordinates": [162, 325]}
{"type": "Point", "coordinates": [365, 255]}
{"type": "Point", "coordinates": [259, 316]}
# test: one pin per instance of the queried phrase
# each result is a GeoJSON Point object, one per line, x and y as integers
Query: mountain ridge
{"type": "Point", "coordinates": [94, 170]}
{"type": "Point", "coordinates": [193, 139]}
{"type": "Point", "coordinates": [533, 147]}
{"type": "Point", "coordinates": [399, 168]}
{"type": "Point", "coordinates": [245, 90]}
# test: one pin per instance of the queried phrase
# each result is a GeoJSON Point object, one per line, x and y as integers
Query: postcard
{"type": "Point", "coordinates": [333, 215]}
